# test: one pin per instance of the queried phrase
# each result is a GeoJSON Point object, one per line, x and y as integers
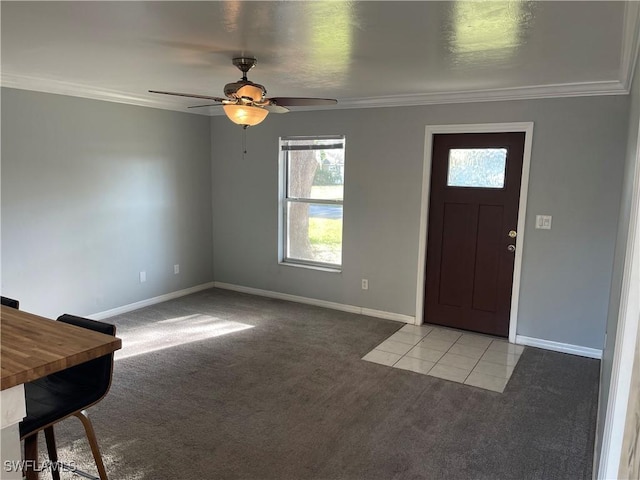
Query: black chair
{"type": "Point", "coordinates": [10, 302]}
{"type": "Point", "coordinates": [63, 394]}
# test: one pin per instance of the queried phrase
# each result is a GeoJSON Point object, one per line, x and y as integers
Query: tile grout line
{"type": "Point", "coordinates": [492, 363]}
{"type": "Point", "coordinates": [434, 363]}
{"type": "Point", "coordinates": [414, 346]}
{"type": "Point", "coordinates": [506, 380]}
{"type": "Point", "coordinates": [513, 367]}
{"type": "Point", "coordinates": [438, 362]}
{"type": "Point", "coordinates": [478, 361]}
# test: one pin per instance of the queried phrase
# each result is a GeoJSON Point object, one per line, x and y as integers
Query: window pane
{"type": "Point", "coordinates": [316, 174]}
{"type": "Point", "coordinates": [477, 167]}
{"type": "Point", "coordinates": [315, 232]}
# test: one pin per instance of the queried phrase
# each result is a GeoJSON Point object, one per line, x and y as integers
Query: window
{"type": "Point", "coordinates": [477, 167]}
{"type": "Point", "coordinates": [311, 196]}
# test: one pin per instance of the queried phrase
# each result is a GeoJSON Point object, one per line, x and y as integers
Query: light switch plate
{"type": "Point", "coordinates": [543, 222]}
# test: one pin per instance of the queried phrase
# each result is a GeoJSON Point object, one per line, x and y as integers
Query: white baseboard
{"type": "Point", "coordinates": [398, 317]}
{"type": "Point", "coordinates": [149, 301]}
{"type": "Point", "coordinates": [559, 347]}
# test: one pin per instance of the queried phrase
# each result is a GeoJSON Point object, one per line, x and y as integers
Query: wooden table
{"type": "Point", "coordinates": [32, 347]}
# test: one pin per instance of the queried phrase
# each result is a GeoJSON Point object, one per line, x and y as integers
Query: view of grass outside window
{"type": "Point", "coordinates": [312, 178]}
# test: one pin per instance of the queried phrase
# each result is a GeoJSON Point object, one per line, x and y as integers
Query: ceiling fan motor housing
{"type": "Point", "coordinates": [246, 89]}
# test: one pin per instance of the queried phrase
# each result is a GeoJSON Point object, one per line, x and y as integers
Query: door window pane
{"type": "Point", "coordinates": [477, 167]}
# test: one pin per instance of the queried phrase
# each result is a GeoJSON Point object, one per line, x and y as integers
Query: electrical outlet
{"type": "Point", "coordinates": [365, 284]}
{"type": "Point", "coordinates": [143, 277]}
{"type": "Point", "coordinates": [176, 269]}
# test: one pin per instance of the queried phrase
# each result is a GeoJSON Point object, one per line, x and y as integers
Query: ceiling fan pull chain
{"type": "Point", "coordinates": [244, 142]}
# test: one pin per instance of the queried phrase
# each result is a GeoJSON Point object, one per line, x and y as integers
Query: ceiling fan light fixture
{"type": "Point", "coordinates": [245, 114]}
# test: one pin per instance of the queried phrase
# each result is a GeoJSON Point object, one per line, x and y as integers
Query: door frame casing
{"type": "Point", "coordinates": [430, 131]}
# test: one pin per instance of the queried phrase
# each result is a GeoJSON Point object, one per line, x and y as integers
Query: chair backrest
{"type": "Point", "coordinates": [94, 374]}
{"type": "Point", "coordinates": [9, 302]}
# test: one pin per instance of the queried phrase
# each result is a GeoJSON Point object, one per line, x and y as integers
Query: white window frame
{"type": "Point", "coordinates": [284, 200]}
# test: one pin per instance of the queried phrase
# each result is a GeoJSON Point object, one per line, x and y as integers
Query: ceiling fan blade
{"type": "Point", "coordinates": [302, 102]}
{"type": "Point", "coordinates": [276, 109]}
{"type": "Point", "coordinates": [190, 95]}
{"type": "Point", "coordinates": [208, 105]}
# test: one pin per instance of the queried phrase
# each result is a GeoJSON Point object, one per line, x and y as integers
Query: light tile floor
{"type": "Point", "coordinates": [470, 358]}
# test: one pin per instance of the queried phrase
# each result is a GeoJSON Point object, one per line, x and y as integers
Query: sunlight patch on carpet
{"type": "Point", "coordinates": [174, 332]}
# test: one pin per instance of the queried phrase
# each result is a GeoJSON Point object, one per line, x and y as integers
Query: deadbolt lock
{"type": "Point", "coordinates": [513, 233]}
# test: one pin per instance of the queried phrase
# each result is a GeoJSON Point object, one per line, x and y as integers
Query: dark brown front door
{"type": "Point", "coordinates": [473, 217]}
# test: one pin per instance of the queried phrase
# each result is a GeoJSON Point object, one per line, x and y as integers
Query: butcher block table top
{"type": "Point", "coordinates": [33, 347]}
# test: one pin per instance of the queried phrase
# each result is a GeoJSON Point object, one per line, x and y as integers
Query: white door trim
{"type": "Point", "coordinates": [627, 333]}
{"type": "Point", "coordinates": [431, 130]}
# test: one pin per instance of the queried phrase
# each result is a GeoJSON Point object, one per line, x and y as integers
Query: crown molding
{"type": "Point", "coordinates": [60, 87]}
{"type": "Point", "coordinates": [630, 43]}
{"type": "Point", "coordinates": [471, 96]}
{"type": "Point", "coordinates": [490, 95]}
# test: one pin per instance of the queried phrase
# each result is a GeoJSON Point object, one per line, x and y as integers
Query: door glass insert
{"type": "Point", "coordinates": [477, 167]}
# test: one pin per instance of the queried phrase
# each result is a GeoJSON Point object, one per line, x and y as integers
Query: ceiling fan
{"type": "Point", "coordinates": [245, 102]}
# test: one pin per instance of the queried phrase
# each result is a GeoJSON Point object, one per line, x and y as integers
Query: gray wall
{"type": "Point", "coordinates": [576, 173]}
{"type": "Point", "coordinates": [94, 192]}
{"type": "Point", "coordinates": [630, 166]}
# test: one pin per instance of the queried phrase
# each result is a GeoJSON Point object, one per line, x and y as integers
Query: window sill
{"type": "Point", "coordinates": [311, 267]}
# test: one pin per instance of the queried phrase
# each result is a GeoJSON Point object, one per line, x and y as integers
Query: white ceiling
{"type": "Point", "coordinates": [362, 53]}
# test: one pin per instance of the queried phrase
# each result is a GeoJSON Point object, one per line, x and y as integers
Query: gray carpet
{"type": "Point", "coordinates": [291, 399]}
